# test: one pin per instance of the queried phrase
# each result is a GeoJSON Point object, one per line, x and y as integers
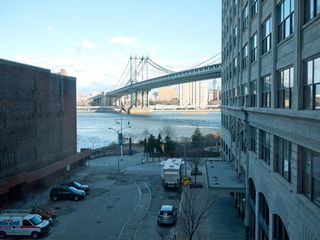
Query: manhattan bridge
{"type": "Point", "coordinates": [142, 74]}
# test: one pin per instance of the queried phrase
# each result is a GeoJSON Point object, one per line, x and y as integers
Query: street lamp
{"type": "Point", "coordinates": [119, 134]}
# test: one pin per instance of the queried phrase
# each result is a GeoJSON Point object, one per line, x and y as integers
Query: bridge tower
{"type": "Point", "coordinates": [138, 72]}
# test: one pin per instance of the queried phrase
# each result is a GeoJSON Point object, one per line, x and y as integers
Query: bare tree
{"type": "Point", "coordinates": [194, 210]}
{"type": "Point", "coordinates": [167, 131]}
{"type": "Point", "coordinates": [94, 141]}
{"type": "Point", "coordinates": [194, 163]}
{"type": "Point", "coordinates": [217, 136]}
{"type": "Point", "coordinates": [166, 234]}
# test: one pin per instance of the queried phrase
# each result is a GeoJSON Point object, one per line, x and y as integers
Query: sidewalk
{"type": "Point", "coordinates": [223, 221]}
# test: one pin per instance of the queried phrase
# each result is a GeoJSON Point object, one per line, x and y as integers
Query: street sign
{"type": "Point", "coordinates": [185, 181]}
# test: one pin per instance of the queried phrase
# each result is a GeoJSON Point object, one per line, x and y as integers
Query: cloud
{"type": "Point", "coordinates": [86, 44]}
{"type": "Point", "coordinates": [125, 41]}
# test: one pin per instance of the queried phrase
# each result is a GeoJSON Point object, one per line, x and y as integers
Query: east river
{"type": "Point", "coordinates": [93, 128]}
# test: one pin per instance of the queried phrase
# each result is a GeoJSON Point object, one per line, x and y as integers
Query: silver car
{"type": "Point", "coordinates": [167, 215]}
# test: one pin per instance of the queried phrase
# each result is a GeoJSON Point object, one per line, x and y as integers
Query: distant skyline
{"type": "Point", "coordinates": [93, 40]}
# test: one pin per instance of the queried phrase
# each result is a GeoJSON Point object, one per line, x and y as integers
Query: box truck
{"type": "Point", "coordinates": [172, 173]}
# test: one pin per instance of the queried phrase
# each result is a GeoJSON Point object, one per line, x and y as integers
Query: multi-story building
{"type": "Point", "coordinates": [37, 128]}
{"type": "Point", "coordinates": [166, 95]}
{"type": "Point", "coordinates": [214, 97]}
{"type": "Point", "coordinates": [271, 113]}
{"type": "Point", "coordinates": [193, 93]}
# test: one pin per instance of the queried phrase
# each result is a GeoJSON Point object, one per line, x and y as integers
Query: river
{"type": "Point", "coordinates": [93, 128]}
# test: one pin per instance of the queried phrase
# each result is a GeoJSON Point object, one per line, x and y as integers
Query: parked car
{"type": "Point", "coordinates": [77, 185]}
{"type": "Point", "coordinates": [66, 192]}
{"type": "Point", "coordinates": [167, 215]}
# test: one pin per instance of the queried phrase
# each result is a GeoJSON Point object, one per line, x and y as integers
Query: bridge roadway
{"type": "Point", "coordinates": [195, 74]}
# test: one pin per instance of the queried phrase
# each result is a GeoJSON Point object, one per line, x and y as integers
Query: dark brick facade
{"type": "Point", "coordinates": [37, 119]}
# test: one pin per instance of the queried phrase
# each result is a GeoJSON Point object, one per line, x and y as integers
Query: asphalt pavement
{"type": "Point", "coordinates": [114, 196]}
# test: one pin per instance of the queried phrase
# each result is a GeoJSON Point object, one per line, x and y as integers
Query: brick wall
{"type": "Point", "coordinates": [37, 119]}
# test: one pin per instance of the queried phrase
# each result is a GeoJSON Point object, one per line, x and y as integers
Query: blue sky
{"type": "Point", "coordinates": [93, 40]}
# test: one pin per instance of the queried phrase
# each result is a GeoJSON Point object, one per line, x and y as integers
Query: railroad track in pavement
{"type": "Point", "coordinates": [131, 227]}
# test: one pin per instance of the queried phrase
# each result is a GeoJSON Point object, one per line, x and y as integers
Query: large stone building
{"type": "Point", "coordinates": [37, 130]}
{"type": "Point", "coordinates": [271, 113]}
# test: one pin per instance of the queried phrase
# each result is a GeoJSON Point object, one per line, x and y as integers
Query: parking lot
{"type": "Point", "coordinates": [121, 205]}
{"type": "Point", "coordinates": [125, 205]}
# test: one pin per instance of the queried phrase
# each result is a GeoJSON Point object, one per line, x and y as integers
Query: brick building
{"type": "Point", "coordinates": [270, 113]}
{"type": "Point", "coordinates": [37, 127]}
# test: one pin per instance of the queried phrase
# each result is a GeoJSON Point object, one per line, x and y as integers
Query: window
{"type": "Point", "coordinates": [265, 146]}
{"type": "Point", "coordinates": [312, 9]}
{"type": "Point", "coordinates": [279, 230]}
{"type": "Point", "coordinates": [235, 34]}
{"type": "Point", "coordinates": [252, 191]}
{"type": "Point", "coordinates": [253, 138]}
{"type": "Point", "coordinates": [252, 224]}
{"type": "Point", "coordinates": [311, 175]}
{"type": "Point", "coordinates": [252, 215]}
{"type": "Point", "coordinates": [266, 35]}
{"type": "Point", "coordinates": [286, 13]}
{"type": "Point", "coordinates": [245, 94]}
{"type": "Point", "coordinates": [253, 44]}
{"type": "Point", "coordinates": [245, 18]}
{"type": "Point", "coordinates": [285, 88]}
{"type": "Point", "coordinates": [245, 56]}
{"type": "Point", "coordinates": [283, 158]}
{"type": "Point", "coordinates": [263, 218]}
{"type": "Point", "coordinates": [253, 93]}
{"type": "Point", "coordinates": [26, 223]}
{"type": "Point", "coordinates": [312, 85]}
{"type": "Point", "coordinates": [254, 7]}
{"type": "Point", "coordinates": [243, 141]}
{"type": "Point", "coordinates": [266, 91]}
{"type": "Point", "coordinates": [235, 64]}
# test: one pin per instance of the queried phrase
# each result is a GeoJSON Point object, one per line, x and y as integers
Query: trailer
{"type": "Point", "coordinates": [172, 173]}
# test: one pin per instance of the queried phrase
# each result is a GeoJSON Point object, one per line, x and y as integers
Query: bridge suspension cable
{"type": "Point", "coordinates": [121, 79]}
{"type": "Point", "coordinates": [157, 66]}
{"type": "Point", "coordinates": [207, 61]}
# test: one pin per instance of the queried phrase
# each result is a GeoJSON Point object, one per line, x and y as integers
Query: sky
{"type": "Point", "coordinates": [93, 40]}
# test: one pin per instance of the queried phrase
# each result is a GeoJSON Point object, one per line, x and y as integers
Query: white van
{"type": "Point", "coordinates": [22, 224]}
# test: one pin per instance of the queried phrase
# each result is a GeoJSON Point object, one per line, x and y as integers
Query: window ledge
{"type": "Point", "coordinates": [253, 17]}
{"type": "Point", "coordinates": [253, 62]}
{"type": "Point", "coordinates": [311, 22]}
{"type": "Point", "coordinates": [311, 206]}
{"type": "Point", "coordinates": [284, 182]}
{"type": "Point", "coordinates": [266, 54]}
{"type": "Point", "coordinates": [283, 41]}
{"type": "Point", "coordinates": [313, 115]}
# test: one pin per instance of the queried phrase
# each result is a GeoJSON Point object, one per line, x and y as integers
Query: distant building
{"type": "Point", "coordinates": [166, 95]}
{"type": "Point", "coordinates": [193, 93]}
{"type": "Point", "coordinates": [270, 114]}
{"type": "Point", "coordinates": [63, 72]}
{"type": "Point", "coordinates": [214, 97]}
{"type": "Point", "coordinates": [38, 135]}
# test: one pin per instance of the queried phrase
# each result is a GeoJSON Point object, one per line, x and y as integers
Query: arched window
{"type": "Point", "coordinates": [252, 214]}
{"type": "Point", "coordinates": [279, 230]}
{"type": "Point", "coordinates": [263, 218]}
{"type": "Point", "coordinates": [252, 191]}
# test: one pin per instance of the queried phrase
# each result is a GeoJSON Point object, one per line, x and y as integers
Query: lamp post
{"type": "Point", "coordinates": [119, 134]}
